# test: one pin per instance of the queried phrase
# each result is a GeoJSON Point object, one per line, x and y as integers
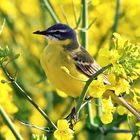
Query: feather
{"type": "Point", "coordinates": [86, 64]}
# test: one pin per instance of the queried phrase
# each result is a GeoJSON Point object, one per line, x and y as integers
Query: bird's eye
{"type": "Point", "coordinates": [57, 32]}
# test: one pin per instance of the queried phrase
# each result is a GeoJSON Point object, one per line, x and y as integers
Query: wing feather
{"type": "Point", "coordinates": [86, 64]}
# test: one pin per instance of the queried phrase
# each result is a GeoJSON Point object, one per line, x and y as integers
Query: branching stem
{"type": "Point", "coordinates": [23, 92]}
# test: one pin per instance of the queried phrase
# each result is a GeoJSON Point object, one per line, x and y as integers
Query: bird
{"type": "Point", "coordinates": [68, 65]}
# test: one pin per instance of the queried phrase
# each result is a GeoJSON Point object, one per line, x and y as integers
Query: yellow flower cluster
{"type": "Point", "coordinates": [6, 96]}
{"type": "Point", "coordinates": [125, 59]}
{"type": "Point", "coordinates": [6, 101]}
{"type": "Point", "coordinates": [63, 131]}
{"type": "Point", "coordinates": [118, 85]}
{"type": "Point", "coordinates": [97, 87]}
{"type": "Point", "coordinates": [107, 110]}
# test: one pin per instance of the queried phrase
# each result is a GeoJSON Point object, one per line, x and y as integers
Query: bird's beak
{"type": "Point", "coordinates": [40, 32]}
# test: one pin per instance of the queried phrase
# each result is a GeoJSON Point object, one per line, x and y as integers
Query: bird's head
{"type": "Point", "coordinates": [59, 34]}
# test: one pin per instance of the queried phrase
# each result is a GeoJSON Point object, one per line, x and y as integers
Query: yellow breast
{"type": "Point", "coordinates": [52, 60]}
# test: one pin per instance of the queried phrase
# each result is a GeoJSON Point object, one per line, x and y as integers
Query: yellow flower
{"type": "Point", "coordinates": [107, 105]}
{"type": "Point", "coordinates": [135, 101]}
{"type": "Point", "coordinates": [122, 86]}
{"type": "Point", "coordinates": [118, 40]}
{"type": "Point", "coordinates": [97, 88]}
{"type": "Point", "coordinates": [6, 132]}
{"type": "Point", "coordinates": [138, 124]}
{"type": "Point", "coordinates": [35, 117]}
{"type": "Point", "coordinates": [122, 110]}
{"type": "Point", "coordinates": [118, 85]}
{"type": "Point", "coordinates": [6, 96]}
{"type": "Point", "coordinates": [63, 132]}
{"type": "Point", "coordinates": [27, 10]}
{"type": "Point", "coordinates": [118, 70]}
{"type": "Point", "coordinates": [107, 56]}
{"type": "Point", "coordinates": [106, 118]}
{"type": "Point", "coordinates": [103, 56]}
{"type": "Point", "coordinates": [108, 109]}
{"type": "Point", "coordinates": [78, 126]}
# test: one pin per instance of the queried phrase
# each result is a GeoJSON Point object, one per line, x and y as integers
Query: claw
{"type": "Point", "coordinates": [72, 118]}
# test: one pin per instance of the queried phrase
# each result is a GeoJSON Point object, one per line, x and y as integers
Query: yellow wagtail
{"type": "Point", "coordinates": [67, 64]}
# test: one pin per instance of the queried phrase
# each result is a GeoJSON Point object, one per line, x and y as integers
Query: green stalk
{"type": "Point", "coordinates": [116, 20]}
{"type": "Point", "coordinates": [23, 92]}
{"type": "Point", "coordinates": [117, 130]}
{"type": "Point", "coordinates": [84, 33]}
{"type": "Point", "coordinates": [83, 94]}
{"type": "Point", "coordinates": [85, 45]}
{"type": "Point", "coordinates": [98, 107]}
{"type": "Point", "coordinates": [90, 115]}
{"type": "Point", "coordinates": [51, 11]}
{"type": "Point", "coordinates": [117, 15]}
{"type": "Point", "coordinates": [10, 124]}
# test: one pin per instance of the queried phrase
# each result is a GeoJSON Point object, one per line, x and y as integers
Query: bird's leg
{"type": "Point", "coordinates": [88, 98]}
{"type": "Point", "coordinates": [73, 116]}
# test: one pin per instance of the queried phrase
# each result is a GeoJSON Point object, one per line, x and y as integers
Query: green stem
{"type": "Point", "coordinates": [117, 130]}
{"type": "Point", "coordinates": [85, 45]}
{"type": "Point", "coordinates": [117, 15]}
{"type": "Point", "coordinates": [116, 20]}
{"type": "Point", "coordinates": [83, 94]}
{"type": "Point", "coordinates": [10, 124]}
{"type": "Point", "coordinates": [51, 11]}
{"type": "Point", "coordinates": [84, 23]}
{"type": "Point", "coordinates": [98, 107]}
{"type": "Point", "coordinates": [23, 92]}
{"type": "Point", "coordinates": [90, 115]}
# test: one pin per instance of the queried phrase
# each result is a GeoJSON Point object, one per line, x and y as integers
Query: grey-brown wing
{"type": "Point", "coordinates": [86, 64]}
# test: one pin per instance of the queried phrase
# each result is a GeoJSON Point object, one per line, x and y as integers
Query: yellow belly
{"type": "Point", "coordinates": [52, 61]}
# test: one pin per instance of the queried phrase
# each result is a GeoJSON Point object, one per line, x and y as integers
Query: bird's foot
{"type": "Point", "coordinates": [72, 118]}
{"type": "Point", "coordinates": [88, 98]}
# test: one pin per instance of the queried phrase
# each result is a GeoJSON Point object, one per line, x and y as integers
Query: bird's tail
{"type": "Point", "coordinates": [133, 110]}
{"type": "Point", "coordinates": [121, 101]}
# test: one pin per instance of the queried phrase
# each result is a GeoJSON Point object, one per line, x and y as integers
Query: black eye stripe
{"type": "Point", "coordinates": [61, 33]}
{"type": "Point", "coordinates": [52, 32]}
{"type": "Point", "coordinates": [55, 32]}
